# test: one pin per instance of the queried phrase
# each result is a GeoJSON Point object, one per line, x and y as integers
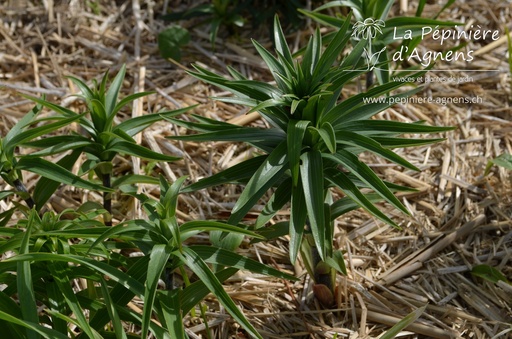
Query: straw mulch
{"type": "Point", "coordinates": [459, 218]}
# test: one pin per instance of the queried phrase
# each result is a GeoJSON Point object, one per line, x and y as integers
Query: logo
{"type": "Point", "coordinates": [371, 29]}
{"type": "Point", "coordinates": [368, 30]}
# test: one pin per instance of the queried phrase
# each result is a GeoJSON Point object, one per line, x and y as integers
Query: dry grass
{"type": "Point", "coordinates": [459, 219]}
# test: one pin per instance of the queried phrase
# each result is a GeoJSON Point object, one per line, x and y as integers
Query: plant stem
{"type": "Point", "coordinates": [322, 272]}
{"type": "Point", "coordinates": [107, 200]}
{"type": "Point", "coordinates": [369, 80]}
{"type": "Point", "coordinates": [18, 185]}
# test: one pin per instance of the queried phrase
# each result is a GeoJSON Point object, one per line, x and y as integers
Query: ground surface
{"type": "Point", "coordinates": [459, 218]}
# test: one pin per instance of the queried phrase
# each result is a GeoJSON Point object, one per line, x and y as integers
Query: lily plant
{"type": "Point", "coordinates": [102, 139]}
{"type": "Point", "coordinates": [13, 162]}
{"type": "Point", "coordinates": [308, 156]}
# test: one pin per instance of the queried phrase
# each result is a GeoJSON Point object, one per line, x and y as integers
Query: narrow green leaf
{"type": "Point", "coordinates": [98, 115]}
{"type": "Point", "coordinates": [8, 305]}
{"type": "Point", "coordinates": [240, 134]}
{"type": "Point", "coordinates": [45, 187]}
{"type": "Point", "coordinates": [35, 327]}
{"type": "Point", "coordinates": [355, 139]}
{"type": "Point", "coordinates": [448, 4]}
{"type": "Point", "coordinates": [86, 124]}
{"type": "Point", "coordinates": [332, 51]}
{"type": "Point", "coordinates": [135, 125]}
{"type": "Point", "coordinates": [118, 328]}
{"type": "Point", "coordinates": [339, 179]}
{"type": "Point", "coordinates": [272, 63]}
{"type": "Point", "coordinates": [298, 217]}
{"type": "Point", "coordinates": [296, 104]}
{"type": "Point", "coordinates": [57, 173]}
{"type": "Point", "coordinates": [311, 171]}
{"type": "Point", "coordinates": [382, 10]}
{"type": "Point", "coordinates": [36, 132]}
{"type": "Point", "coordinates": [5, 194]}
{"type": "Point", "coordinates": [58, 144]}
{"type": "Point", "coordinates": [421, 6]}
{"type": "Point", "coordinates": [339, 112]}
{"type": "Point", "coordinates": [365, 173]}
{"type": "Point", "coordinates": [268, 103]}
{"type": "Point", "coordinates": [346, 204]}
{"type": "Point", "coordinates": [113, 273]}
{"type": "Point", "coordinates": [273, 231]}
{"type": "Point", "coordinates": [236, 74]}
{"type": "Point", "coordinates": [58, 272]}
{"type": "Point", "coordinates": [170, 199]}
{"type": "Point", "coordinates": [122, 295]}
{"type": "Point", "coordinates": [227, 258]}
{"type": "Point", "coordinates": [132, 229]}
{"type": "Point", "coordinates": [170, 301]}
{"type": "Point", "coordinates": [489, 273]}
{"type": "Point", "coordinates": [280, 41]}
{"type": "Point", "coordinates": [199, 267]}
{"type": "Point", "coordinates": [25, 284]}
{"type": "Point", "coordinates": [381, 70]}
{"type": "Point", "coordinates": [294, 139]}
{"type": "Point", "coordinates": [312, 54]}
{"type": "Point", "coordinates": [402, 324]}
{"type": "Point", "coordinates": [280, 197]}
{"type": "Point", "coordinates": [323, 19]}
{"type": "Point", "coordinates": [255, 89]}
{"type": "Point", "coordinates": [57, 303]}
{"type": "Point", "coordinates": [392, 186]}
{"type": "Point", "coordinates": [22, 124]}
{"type": "Point", "coordinates": [337, 262]}
{"type": "Point", "coordinates": [125, 101]}
{"type": "Point", "coordinates": [158, 259]}
{"type": "Point", "coordinates": [204, 124]}
{"type": "Point", "coordinates": [327, 134]}
{"type": "Point", "coordinates": [355, 55]}
{"type": "Point", "coordinates": [196, 291]}
{"type": "Point", "coordinates": [86, 91]}
{"type": "Point", "coordinates": [386, 126]}
{"type": "Point", "coordinates": [194, 227]}
{"type": "Point", "coordinates": [504, 160]}
{"type": "Point", "coordinates": [213, 79]}
{"type": "Point", "coordinates": [405, 142]}
{"type": "Point", "coordinates": [128, 148]}
{"type": "Point", "coordinates": [270, 171]}
{"type": "Point", "coordinates": [238, 101]}
{"type": "Point", "coordinates": [134, 179]}
{"type": "Point", "coordinates": [239, 172]}
{"type": "Point", "coordinates": [113, 91]}
{"type": "Point", "coordinates": [355, 5]}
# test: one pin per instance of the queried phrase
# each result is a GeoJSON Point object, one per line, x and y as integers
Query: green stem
{"type": "Point", "coordinates": [202, 307]}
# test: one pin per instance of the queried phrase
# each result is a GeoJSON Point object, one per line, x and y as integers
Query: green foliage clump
{"type": "Point", "coordinates": [312, 145]}
{"type": "Point", "coordinates": [308, 158]}
{"type": "Point", "coordinates": [51, 252]}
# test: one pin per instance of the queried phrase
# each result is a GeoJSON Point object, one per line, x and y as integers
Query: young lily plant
{"type": "Point", "coordinates": [163, 240]}
{"type": "Point", "coordinates": [60, 282]}
{"type": "Point", "coordinates": [311, 149]}
{"type": "Point", "coordinates": [12, 163]}
{"type": "Point", "coordinates": [102, 139]}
